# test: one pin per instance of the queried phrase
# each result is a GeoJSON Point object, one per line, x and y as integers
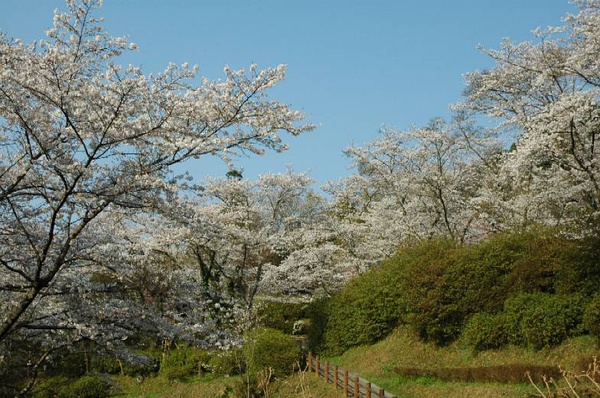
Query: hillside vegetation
{"type": "Point", "coordinates": [408, 367]}
{"type": "Point", "coordinates": [442, 319]}
{"type": "Point", "coordinates": [529, 289]}
{"type": "Point", "coordinates": [437, 319]}
{"type": "Point", "coordinates": [468, 248]}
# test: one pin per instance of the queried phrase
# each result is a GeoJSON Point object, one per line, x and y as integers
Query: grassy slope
{"type": "Point", "coordinates": [403, 349]}
{"type": "Point", "coordinates": [299, 386]}
{"type": "Point", "coordinates": [376, 363]}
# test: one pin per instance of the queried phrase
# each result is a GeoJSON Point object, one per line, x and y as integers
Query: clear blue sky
{"type": "Point", "coordinates": [353, 66]}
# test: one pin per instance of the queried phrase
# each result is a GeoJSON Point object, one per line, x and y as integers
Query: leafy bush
{"type": "Point", "coordinates": [485, 331]}
{"type": "Point", "coordinates": [591, 316]}
{"type": "Point", "coordinates": [580, 271]}
{"type": "Point", "coordinates": [432, 310]}
{"type": "Point", "coordinates": [542, 257]}
{"type": "Point", "coordinates": [267, 348]}
{"type": "Point", "coordinates": [318, 314]}
{"type": "Point", "coordinates": [540, 319]}
{"type": "Point", "coordinates": [280, 315]}
{"type": "Point", "coordinates": [184, 362]}
{"type": "Point", "coordinates": [436, 286]}
{"type": "Point", "coordinates": [368, 308]}
{"type": "Point", "coordinates": [448, 289]}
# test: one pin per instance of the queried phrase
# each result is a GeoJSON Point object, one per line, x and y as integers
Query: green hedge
{"type": "Point", "coordinates": [280, 315]}
{"type": "Point", "coordinates": [266, 348]}
{"type": "Point", "coordinates": [446, 291]}
{"type": "Point", "coordinates": [485, 331]}
{"type": "Point", "coordinates": [437, 287]}
{"type": "Point", "coordinates": [318, 315]}
{"type": "Point", "coordinates": [366, 310]}
{"type": "Point", "coordinates": [535, 320]}
{"type": "Point", "coordinates": [540, 319]}
{"type": "Point", "coordinates": [591, 316]}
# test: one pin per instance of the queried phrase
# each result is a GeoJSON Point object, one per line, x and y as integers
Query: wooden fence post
{"type": "Point", "coordinates": [335, 376]}
{"type": "Point", "coordinates": [345, 383]}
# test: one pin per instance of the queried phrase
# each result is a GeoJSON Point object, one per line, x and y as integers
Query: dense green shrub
{"type": "Point", "coordinates": [580, 270]}
{"type": "Point", "coordinates": [485, 331]}
{"type": "Point", "coordinates": [266, 348]}
{"type": "Point", "coordinates": [591, 316]}
{"type": "Point", "coordinates": [541, 259]}
{"type": "Point", "coordinates": [436, 286]}
{"type": "Point", "coordinates": [373, 304]}
{"type": "Point", "coordinates": [540, 319]}
{"type": "Point", "coordinates": [427, 291]}
{"type": "Point", "coordinates": [184, 361]}
{"type": "Point", "coordinates": [318, 314]}
{"type": "Point", "coordinates": [366, 310]}
{"type": "Point", "coordinates": [280, 315]}
{"type": "Point", "coordinates": [443, 292]}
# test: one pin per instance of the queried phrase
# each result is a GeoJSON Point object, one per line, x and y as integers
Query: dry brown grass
{"type": "Point", "coordinates": [571, 384]}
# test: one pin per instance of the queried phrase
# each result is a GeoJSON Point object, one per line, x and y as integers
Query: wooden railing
{"type": "Point", "coordinates": [352, 384]}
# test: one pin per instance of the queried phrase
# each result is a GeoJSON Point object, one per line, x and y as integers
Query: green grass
{"type": "Point", "coordinates": [377, 363]}
{"type": "Point", "coordinates": [403, 349]}
{"type": "Point", "coordinates": [303, 385]}
{"type": "Point", "coordinates": [161, 387]}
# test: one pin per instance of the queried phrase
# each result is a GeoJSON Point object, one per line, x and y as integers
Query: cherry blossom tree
{"type": "Point", "coordinates": [545, 92]}
{"type": "Point", "coordinates": [239, 233]}
{"type": "Point", "coordinates": [413, 185]}
{"type": "Point", "coordinates": [83, 137]}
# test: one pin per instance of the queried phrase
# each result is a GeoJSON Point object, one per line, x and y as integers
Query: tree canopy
{"type": "Point", "coordinates": [101, 240]}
